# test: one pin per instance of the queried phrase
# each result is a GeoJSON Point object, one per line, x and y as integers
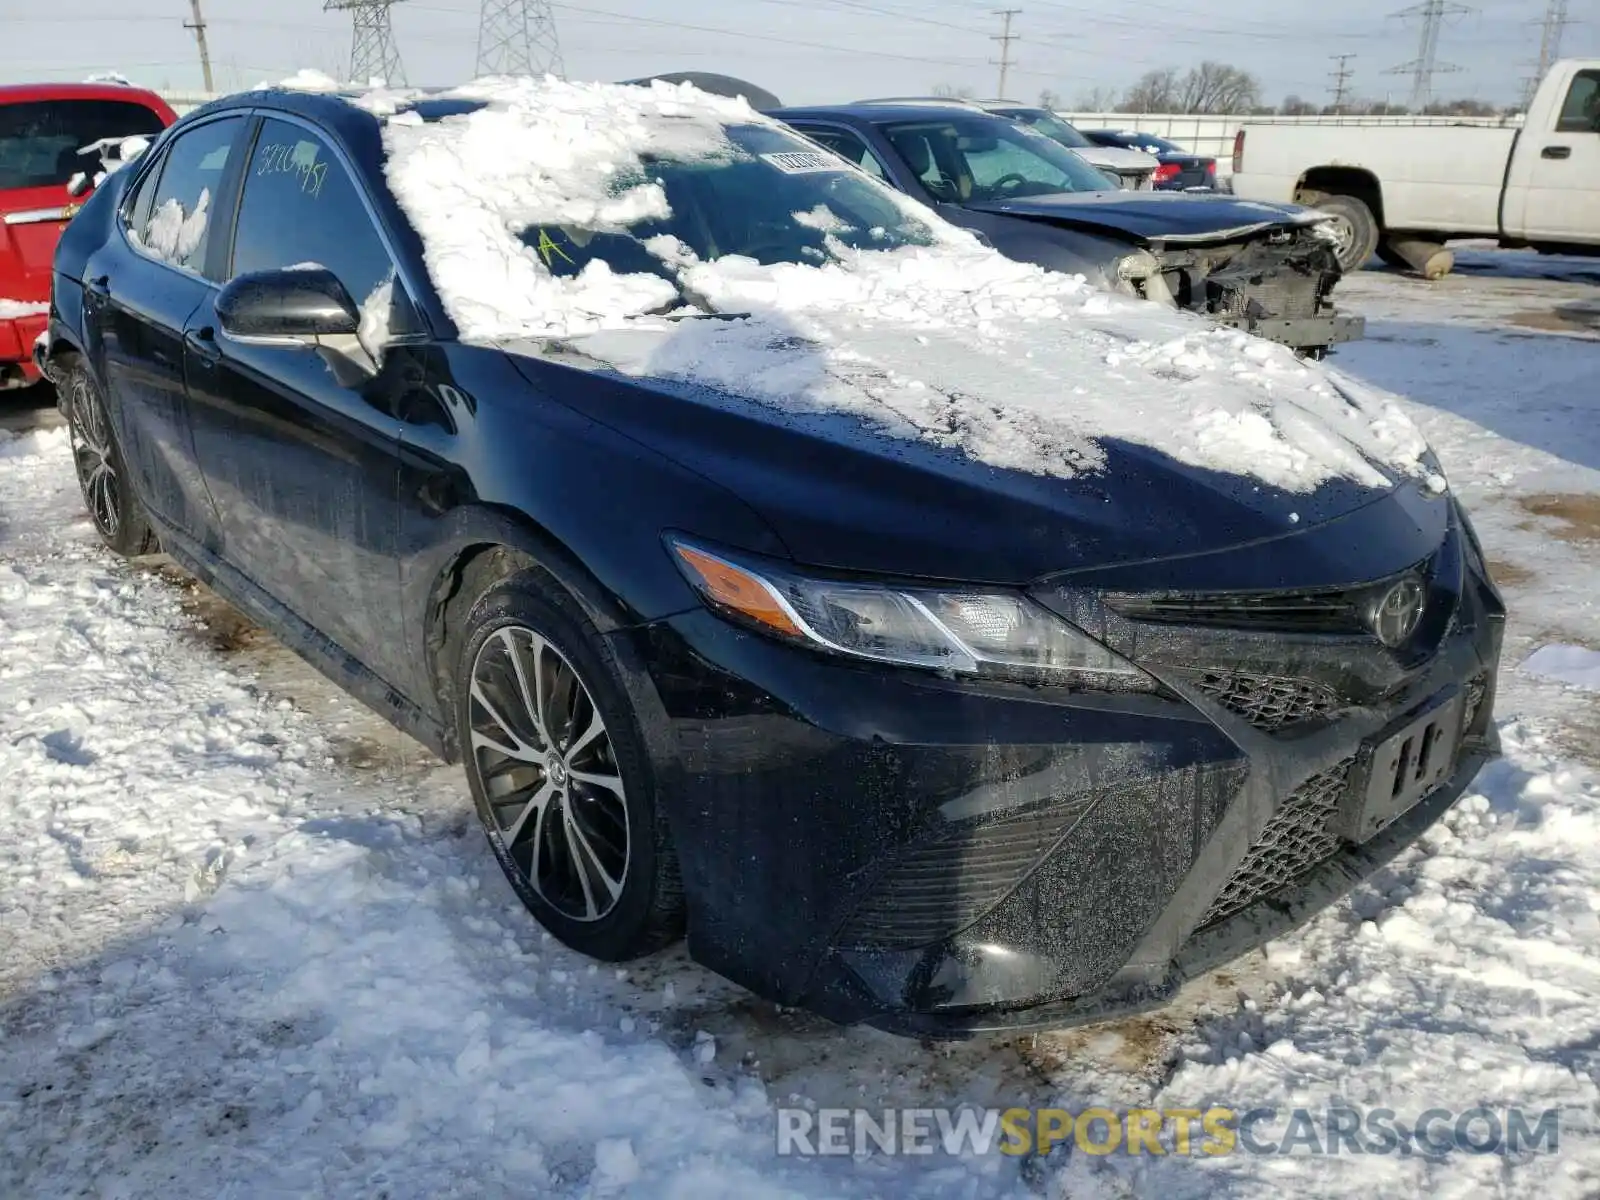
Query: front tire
{"type": "Point", "coordinates": [103, 479]}
{"type": "Point", "coordinates": [1353, 224]}
{"type": "Point", "coordinates": [559, 772]}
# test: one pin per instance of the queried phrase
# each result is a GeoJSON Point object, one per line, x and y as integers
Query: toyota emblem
{"type": "Point", "coordinates": [1394, 618]}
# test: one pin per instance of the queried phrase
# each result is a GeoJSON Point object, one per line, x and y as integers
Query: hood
{"type": "Point", "coordinates": [843, 497]}
{"type": "Point", "coordinates": [1116, 158]}
{"type": "Point", "coordinates": [1156, 216]}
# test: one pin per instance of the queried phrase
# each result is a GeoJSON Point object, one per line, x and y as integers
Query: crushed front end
{"type": "Point", "coordinates": [1276, 283]}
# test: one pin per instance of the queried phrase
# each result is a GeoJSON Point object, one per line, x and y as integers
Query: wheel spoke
{"type": "Point", "coordinates": [589, 864]}
{"type": "Point", "coordinates": [611, 783]}
{"type": "Point", "coordinates": [517, 749]}
{"type": "Point", "coordinates": [536, 804]}
{"type": "Point", "coordinates": [532, 699]}
{"type": "Point", "coordinates": [594, 729]}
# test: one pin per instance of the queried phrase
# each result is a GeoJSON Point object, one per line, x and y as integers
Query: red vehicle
{"type": "Point", "coordinates": [42, 129]}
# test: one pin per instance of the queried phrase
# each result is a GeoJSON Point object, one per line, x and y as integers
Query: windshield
{"type": "Point", "coordinates": [980, 158]}
{"type": "Point", "coordinates": [40, 139]}
{"type": "Point", "coordinates": [1051, 126]}
{"type": "Point", "coordinates": [1147, 142]}
{"type": "Point", "coordinates": [772, 197]}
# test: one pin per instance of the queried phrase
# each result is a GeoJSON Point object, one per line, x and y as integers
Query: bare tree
{"type": "Point", "coordinates": [1049, 99]}
{"type": "Point", "coordinates": [1294, 106]}
{"type": "Point", "coordinates": [1157, 91]}
{"type": "Point", "coordinates": [1215, 87]}
{"type": "Point", "coordinates": [954, 91]}
{"type": "Point", "coordinates": [1099, 99]}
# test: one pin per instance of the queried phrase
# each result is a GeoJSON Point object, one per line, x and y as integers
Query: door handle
{"type": "Point", "coordinates": [1556, 152]}
{"type": "Point", "coordinates": [202, 343]}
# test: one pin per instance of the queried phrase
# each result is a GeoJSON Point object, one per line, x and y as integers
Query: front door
{"type": "Point", "coordinates": [299, 444]}
{"type": "Point", "coordinates": [1556, 174]}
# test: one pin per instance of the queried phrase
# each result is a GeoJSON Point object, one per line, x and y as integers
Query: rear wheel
{"type": "Point", "coordinates": [559, 773]}
{"type": "Point", "coordinates": [1354, 227]}
{"type": "Point", "coordinates": [118, 516]}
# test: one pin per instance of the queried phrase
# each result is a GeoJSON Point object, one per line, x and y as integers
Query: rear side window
{"type": "Point", "coordinates": [848, 146]}
{"type": "Point", "coordinates": [301, 207]}
{"type": "Point", "coordinates": [1581, 112]}
{"type": "Point", "coordinates": [181, 206]}
{"type": "Point", "coordinates": [40, 139]}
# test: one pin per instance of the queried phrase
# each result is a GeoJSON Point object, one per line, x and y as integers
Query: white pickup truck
{"type": "Point", "coordinates": [1403, 190]}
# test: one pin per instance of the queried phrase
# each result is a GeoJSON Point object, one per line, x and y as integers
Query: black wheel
{"type": "Point", "coordinates": [559, 773]}
{"type": "Point", "coordinates": [118, 516]}
{"type": "Point", "coordinates": [1354, 227]}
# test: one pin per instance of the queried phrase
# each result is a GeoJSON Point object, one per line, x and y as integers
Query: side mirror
{"type": "Point", "coordinates": [301, 303]}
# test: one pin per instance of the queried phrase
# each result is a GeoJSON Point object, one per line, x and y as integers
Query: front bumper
{"type": "Point", "coordinates": [18, 367]}
{"type": "Point", "coordinates": [942, 857]}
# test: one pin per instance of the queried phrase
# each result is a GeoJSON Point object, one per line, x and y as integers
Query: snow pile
{"type": "Point", "coordinates": [10, 310]}
{"type": "Point", "coordinates": [951, 342]}
{"type": "Point", "coordinates": [115, 153]}
{"type": "Point", "coordinates": [1568, 664]}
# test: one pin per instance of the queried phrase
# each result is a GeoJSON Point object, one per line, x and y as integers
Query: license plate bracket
{"type": "Point", "coordinates": [1393, 773]}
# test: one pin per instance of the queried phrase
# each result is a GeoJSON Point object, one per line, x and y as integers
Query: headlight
{"type": "Point", "coordinates": [961, 630]}
{"type": "Point", "coordinates": [1139, 265]}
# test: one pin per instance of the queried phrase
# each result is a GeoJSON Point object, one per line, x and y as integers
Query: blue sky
{"type": "Point", "coordinates": [852, 47]}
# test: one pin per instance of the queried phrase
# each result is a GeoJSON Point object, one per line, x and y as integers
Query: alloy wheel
{"type": "Point", "coordinates": [91, 455]}
{"type": "Point", "coordinates": [549, 771]}
{"type": "Point", "coordinates": [1344, 234]}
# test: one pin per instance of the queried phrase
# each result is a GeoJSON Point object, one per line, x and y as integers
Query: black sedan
{"type": "Point", "coordinates": [1179, 170]}
{"type": "Point", "coordinates": [738, 525]}
{"type": "Point", "coordinates": [1263, 268]}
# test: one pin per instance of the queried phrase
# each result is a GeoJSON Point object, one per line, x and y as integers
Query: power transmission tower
{"type": "Point", "coordinates": [373, 54]}
{"type": "Point", "coordinates": [1555, 20]}
{"type": "Point", "coordinates": [199, 27]}
{"type": "Point", "coordinates": [518, 37]}
{"type": "Point", "coordinates": [1341, 78]}
{"type": "Point", "coordinates": [1426, 64]}
{"type": "Point", "coordinates": [1005, 38]}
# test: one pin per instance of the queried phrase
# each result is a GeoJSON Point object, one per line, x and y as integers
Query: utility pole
{"type": "Point", "coordinates": [199, 27]}
{"type": "Point", "coordinates": [518, 37]}
{"type": "Point", "coordinates": [1341, 78]}
{"type": "Point", "coordinates": [1005, 39]}
{"type": "Point", "coordinates": [1555, 20]}
{"type": "Point", "coordinates": [373, 54]}
{"type": "Point", "coordinates": [1426, 64]}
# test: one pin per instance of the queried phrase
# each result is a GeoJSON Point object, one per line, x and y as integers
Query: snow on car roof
{"type": "Point", "coordinates": [948, 343]}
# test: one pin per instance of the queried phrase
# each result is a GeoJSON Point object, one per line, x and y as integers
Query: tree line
{"type": "Point", "coordinates": [1214, 87]}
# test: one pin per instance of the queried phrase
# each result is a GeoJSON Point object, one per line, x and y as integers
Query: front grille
{"type": "Point", "coordinates": [1341, 610]}
{"type": "Point", "coordinates": [1296, 839]}
{"type": "Point", "coordinates": [1268, 702]}
{"type": "Point", "coordinates": [945, 883]}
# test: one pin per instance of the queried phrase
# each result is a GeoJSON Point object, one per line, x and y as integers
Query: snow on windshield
{"type": "Point", "coordinates": [948, 342]}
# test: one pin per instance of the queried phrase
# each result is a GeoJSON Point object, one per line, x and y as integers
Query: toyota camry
{"type": "Point", "coordinates": [932, 639]}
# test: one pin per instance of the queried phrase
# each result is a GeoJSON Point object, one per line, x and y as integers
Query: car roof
{"type": "Point", "coordinates": [22, 93]}
{"type": "Point", "coordinates": [878, 114]}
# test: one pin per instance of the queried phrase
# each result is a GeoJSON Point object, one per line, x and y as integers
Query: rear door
{"type": "Point", "coordinates": [1555, 171]}
{"type": "Point", "coordinates": [139, 290]}
{"type": "Point", "coordinates": [300, 444]}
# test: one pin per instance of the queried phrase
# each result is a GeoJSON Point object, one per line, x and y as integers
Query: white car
{"type": "Point", "coordinates": [1402, 190]}
{"type": "Point", "coordinates": [1132, 170]}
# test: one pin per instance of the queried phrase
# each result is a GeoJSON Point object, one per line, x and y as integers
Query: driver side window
{"type": "Point", "coordinates": [1581, 111]}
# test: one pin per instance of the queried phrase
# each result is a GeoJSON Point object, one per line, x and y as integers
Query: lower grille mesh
{"type": "Point", "coordinates": [1296, 839]}
{"type": "Point", "coordinates": [945, 883]}
{"type": "Point", "coordinates": [1268, 701]}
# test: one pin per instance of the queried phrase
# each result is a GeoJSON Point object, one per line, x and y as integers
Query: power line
{"type": "Point", "coordinates": [199, 27]}
{"type": "Point", "coordinates": [373, 54]}
{"type": "Point", "coordinates": [518, 37]}
{"type": "Point", "coordinates": [1426, 64]}
{"type": "Point", "coordinates": [1341, 78]}
{"type": "Point", "coordinates": [1005, 38]}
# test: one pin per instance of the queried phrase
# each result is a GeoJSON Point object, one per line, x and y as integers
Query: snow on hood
{"type": "Point", "coordinates": [949, 343]}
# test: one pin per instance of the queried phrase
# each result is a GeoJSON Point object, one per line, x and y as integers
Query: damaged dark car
{"type": "Point", "coordinates": [1002, 720]}
{"type": "Point", "coordinates": [1268, 269]}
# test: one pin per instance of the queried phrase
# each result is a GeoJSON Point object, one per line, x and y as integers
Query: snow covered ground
{"type": "Point", "coordinates": [251, 942]}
